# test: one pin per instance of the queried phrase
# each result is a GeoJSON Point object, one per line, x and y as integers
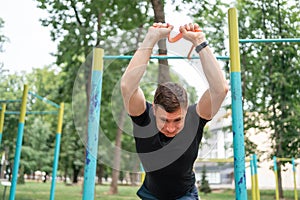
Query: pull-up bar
{"type": "Point", "coordinates": [10, 101]}
{"type": "Point", "coordinates": [19, 140]}
{"type": "Point", "coordinates": [269, 40]}
{"type": "Point", "coordinates": [163, 57]}
{"type": "Point", "coordinates": [159, 57]}
{"type": "Point", "coordinates": [33, 112]}
{"type": "Point", "coordinates": [44, 100]}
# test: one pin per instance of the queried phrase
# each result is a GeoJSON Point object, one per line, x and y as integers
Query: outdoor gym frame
{"type": "Point", "coordinates": [21, 124]}
{"type": "Point", "coordinates": [236, 98]}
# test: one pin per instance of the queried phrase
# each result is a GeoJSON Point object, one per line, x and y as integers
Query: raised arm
{"type": "Point", "coordinates": [133, 96]}
{"type": "Point", "coordinates": [209, 104]}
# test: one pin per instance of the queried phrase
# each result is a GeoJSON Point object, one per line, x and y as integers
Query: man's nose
{"type": "Point", "coordinates": [171, 128]}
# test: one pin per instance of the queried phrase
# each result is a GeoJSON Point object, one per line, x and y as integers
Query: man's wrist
{"type": "Point", "coordinates": [201, 46]}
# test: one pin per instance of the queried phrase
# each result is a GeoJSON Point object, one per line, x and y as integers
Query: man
{"type": "Point", "coordinates": [168, 132]}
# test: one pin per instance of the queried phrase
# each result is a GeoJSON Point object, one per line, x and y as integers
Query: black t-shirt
{"type": "Point", "coordinates": [168, 162]}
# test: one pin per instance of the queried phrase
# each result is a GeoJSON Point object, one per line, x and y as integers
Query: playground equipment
{"type": "Point", "coordinates": [21, 124]}
{"type": "Point", "coordinates": [292, 160]}
{"type": "Point", "coordinates": [254, 174]}
{"type": "Point", "coordinates": [93, 126]}
{"type": "Point", "coordinates": [2, 121]}
{"type": "Point", "coordinates": [254, 178]}
{"type": "Point", "coordinates": [237, 109]}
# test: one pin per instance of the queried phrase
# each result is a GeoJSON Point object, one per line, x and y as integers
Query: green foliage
{"type": "Point", "coordinates": [204, 186]}
{"type": "Point", "coordinates": [3, 38]}
{"type": "Point", "coordinates": [271, 73]}
{"type": "Point", "coordinates": [39, 133]}
{"type": "Point", "coordinates": [36, 148]}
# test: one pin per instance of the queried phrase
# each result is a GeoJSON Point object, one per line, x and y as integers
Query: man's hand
{"type": "Point", "coordinates": [191, 34]}
{"type": "Point", "coordinates": [159, 31]}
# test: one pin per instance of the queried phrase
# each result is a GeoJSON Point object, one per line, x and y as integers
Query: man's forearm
{"type": "Point", "coordinates": [137, 66]}
{"type": "Point", "coordinates": [212, 71]}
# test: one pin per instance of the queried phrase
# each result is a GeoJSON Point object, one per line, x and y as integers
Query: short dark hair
{"type": "Point", "coordinates": [171, 96]}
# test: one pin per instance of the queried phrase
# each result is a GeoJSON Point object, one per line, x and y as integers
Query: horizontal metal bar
{"type": "Point", "coordinates": [44, 100]}
{"type": "Point", "coordinates": [159, 57]}
{"type": "Point", "coordinates": [219, 160]}
{"type": "Point", "coordinates": [269, 40]}
{"type": "Point", "coordinates": [32, 112]}
{"type": "Point", "coordinates": [284, 159]}
{"type": "Point", "coordinates": [10, 101]}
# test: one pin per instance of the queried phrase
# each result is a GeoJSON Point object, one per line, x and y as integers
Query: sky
{"type": "Point", "coordinates": [29, 43]}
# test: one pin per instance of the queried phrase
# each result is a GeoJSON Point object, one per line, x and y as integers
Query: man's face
{"type": "Point", "coordinates": [170, 124]}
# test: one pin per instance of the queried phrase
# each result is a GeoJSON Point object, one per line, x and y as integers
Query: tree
{"type": "Point", "coordinates": [79, 26]}
{"type": "Point", "coordinates": [36, 151]}
{"type": "Point", "coordinates": [3, 38]}
{"type": "Point", "coordinates": [159, 16]}
{"type": "Point", "coordinates": [204, 186]}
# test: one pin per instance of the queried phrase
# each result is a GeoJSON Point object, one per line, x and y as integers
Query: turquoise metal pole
{"type": "Point", "coordinates": [252, 179]}
{"type": "Point", "coordinates": [276, 178]}
{"type": "Point", "coordinates": [269, 40]}
{"type": "Point", "coordinates": [33, 112]}
{"type": "Point", "coordinates": [44, 99]}
{"type": "Point", "coordinates": [237, 108]}
{"type": "Point", "coordinates": [56, 151]}
{"type": "Point", "coordinates": [295, 181]}
{"type": "Point", "coordinates": [18, 145]}
{"type": "Point", "coordinates": [10, 101]}
{"type": "Point", "coordinates": [55, 164]}
{"type": "Point", "coordinates": [161, 57]}
{"type": "Point", "coordinates": [256, 177]}
{"type": "Point", "coordinates": [93, 126]}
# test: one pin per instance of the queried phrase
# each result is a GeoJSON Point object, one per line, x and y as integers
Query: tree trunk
{"type": "Point", "coordinates": [279, 181]}
{"type": "Point", "coordinates": [100, 173]}
{"type": "Point", "coordinates": [66, 175]}
{"type": "Point", "coordinates": [117, 155]}
{"type": "Point", "coordinates": [76, 171]}
{"type": "Point", "coordinates": [159, 16]}
{"type": "Point", "coordinates": [134, 177]}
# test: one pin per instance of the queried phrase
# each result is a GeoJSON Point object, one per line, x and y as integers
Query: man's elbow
{"type": "Point", "coordinates": [226, 89]}
{"type": "Point", "coordinates": [123, 86]}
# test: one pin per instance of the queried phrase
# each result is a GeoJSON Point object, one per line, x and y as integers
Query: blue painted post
{"type": "Point", "coordinates": [56, 151]}
{"type": "Point", "coordinates": [93, 126]}
{"type": "Point", "coordinates": [18, 145]}
{"type": "Point", "coordinates": [295, 181]}
{"type": "Point", "coordinates": [257, 193]}
{"type": "Point", "coordinates": [276, 178]}
{"type": "Point", "coordinates": [252, 179]}
{"type": "Point", "coordinates": [237, 108]}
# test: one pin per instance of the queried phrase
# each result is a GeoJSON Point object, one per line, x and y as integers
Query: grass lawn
{"type": "Point", "coordinates": [41, 191]}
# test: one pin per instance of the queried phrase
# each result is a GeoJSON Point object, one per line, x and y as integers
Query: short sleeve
{"type": "Point", "coordinates": [144, 118]}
